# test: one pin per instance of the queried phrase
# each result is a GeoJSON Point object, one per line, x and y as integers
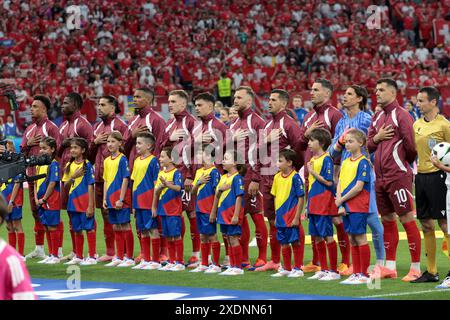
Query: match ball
{"type": "Point", "coordinates": [442, 152]}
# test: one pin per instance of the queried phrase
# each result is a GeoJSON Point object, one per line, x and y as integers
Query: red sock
{"type": "Point", "coordinates": [364, 258]}
{"type": "Point", "coordinates": [216, 252]}
{"type": "Point", "coordinates": [12, 239]}
{"type": "Point", "coordinates": [20, 242]}
{"type": "Point", "coordinates": [390, 239]}
{"type": "Point", "coordinates": [245, 238]}
{"type": "Point", "coordinates": [206, 249]}
{"type": "Point", "coordinates": [275, 248]}
{"type": "Point", "coordinates": [414, 240]}
{"type": "Point", "coordinates": [315, 254]}
{"type": "Point", "coordinates": [232, 256]}
{"type": "Point", "coordinates": [54, 238]}
{"type": "Point", "coordinates": [287, 256]}
{"type": "Point", "coordinates": [356, 260]}
{"type": "Point", "coordinates": [322, 251]}
{"type": "Point", "coordinates": [195, 236]}
{"type": "Point", "coordinates": [332, 255]}
{"type": "Point", "coordinates": [49, 241]}
{"type": "Point", "coordinates": [129, 240]}
{"type": "Point", "coordinates": [237, 250]}
{"type": "Point", "coordinates": [227, 246]}
{"type": "Point", "coordinates": [298, 250]}
{"type": "Point", "coordinates": [172, 251]}
{"type": "Point", "coordinates": [261, 235]}
{"type": "Point", "coordinates": [109, 234]}
{"type": "Point", "coordinates": [39, 233]}
{"type": "Point", "coordinates": [72, 234]}
{"type": "Point", "coordinates": [79, 245]}
{"type": "Point", "coordinates": [156, 246]}
{"type": "Point", "coordinates": [344, 243]}
{"type": "Point", "coordinates": [92, 242]}
{"type": "Point", "coordinates": [145, 248]}
{"type": "Point", "coordinates": [179, 247]}
{"type": "Point", "coordinates": [183, 227]}
{"type": "Point", "coordinates": [60, 231]}
{"type": "Point", "coordinates": [119, 237]}
{"type": "Point", "coordinates": [301, 246]}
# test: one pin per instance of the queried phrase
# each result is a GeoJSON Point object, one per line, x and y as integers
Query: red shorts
{"type": "Point", "coordinates": [394, 196]}
{"type": "Point", "coordinates": [268, 199]}
{"type": "Point", "coordinates": [188, 201]}
{"type": "Point", "coordinates": [99, 195]}
{"type": "Point", "coordinates": [33, 206]}
{"type": "Point", "coordinates": [252, 204]}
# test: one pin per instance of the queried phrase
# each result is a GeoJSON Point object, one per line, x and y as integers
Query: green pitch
{"type": "Point", "coordinates": [388, 289]}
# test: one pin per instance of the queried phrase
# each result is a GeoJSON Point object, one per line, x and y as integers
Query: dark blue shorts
{"type": "Point", "coordinates": [231, 230]}
{"type": "Point", "coordinates": [287, 235]}
{"type": "Point", "coordinates": [204, 226]}
{"type": "Point", "coordinates": [119, 216]}
{"type": "Point", "coordinates": [171, 226]}
{"type": "Point", "coordinates": [49, 218]}
{"type": "Point", "coordinates": [320, 226]}
{"type": "Point", "coordinates": [80, 222]}
{"type": "Point", "coordinates": [145, 221]}
{"type": "Point", "coordinates": [356, 223]}
{"type": "Point", "coordinates": [16, 214]}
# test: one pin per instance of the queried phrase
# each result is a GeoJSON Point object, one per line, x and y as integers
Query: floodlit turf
{"type": "Point", "coordinates": [250, 281]}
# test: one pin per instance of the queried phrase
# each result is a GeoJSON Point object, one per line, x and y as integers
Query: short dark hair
{"type": "Point", "coordinates": [361, 92]}
{"type": "Point", "coordinates": [181, 93]}
{"type": "Point", "coordinates": [248, 90]}
{"type": "Point", "coordinates": [323, 136]}
{"type": "Point", "coordinates": [76, 99]}
{"type": "Point", "coordinates": [325, 83]}
{"type": "Point", "coordinates": [44, 99]}
{"type": "Point", "coordinates": [283, 94]}
{"type": "Point", "coordinates": [205, 96]}
{"type": "Point", "coordinates": [168, 151]}
{"type": "Point", "coordinates": [289, 155]}
{"type": "Point", "coordinates": [148, 91]}
{"type": "Point", "coordinates": [112, 100]}
{"type": "Point", "coordinates": [432, 93]}
{"type": "Point", "coordinates": [148, 136]}
{"type": "Point", "coordinates": [389, 81]}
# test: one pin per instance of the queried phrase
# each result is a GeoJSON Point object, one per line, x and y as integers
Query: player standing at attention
{"type": "Point", "coordinates": [323, 115]}
{"type": "Point", "coordinates": [178, 136]}
{"type": "Point", "coordinates": [287, 188]}
{"type": "Point", "coordinates": [75, 125]}
{"type": "Point", "coordinates": [167, 204]}
{"type": "Point", "coordinates": [354, 102]}
{"type": "Point", "coordinates": [13, 193]}
{"type": "Point", "coordinates": [228, 209]}
{"type": "Point", "coordinates": [15, 281]}
{"type": "Point", "coordinates": [107, 109]}
{"type": "Point", "coordinates": [117, 199]}
{"type": "Point", "coordinates": [79, 184]}
{"type": "Point", "coordinates": [431, 190]}
{"type": "Point", "coordinates": [299, 110]}
{"type": "Point", "coordinates": [245, 135]}
{"type": "Point", "coordinates": [353, 201]}
{"type": "Point", "coordinates": [47, 198]}
{"type": "Point", "coordinates": [321, 206]}
{"type": "Point", "coordinates": [144, 177]}
{"type": "Point", "coordinates": [205, 182]}
{"type": "Point", "coordinates": [40, 128]}
{"type": "Point", "coordinates": [391, 137]}
{"type": "Point", "coordinates": [446, 282]}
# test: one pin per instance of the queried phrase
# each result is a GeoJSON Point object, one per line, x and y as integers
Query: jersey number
{"type": "Point", "coordinates": [401, 195]}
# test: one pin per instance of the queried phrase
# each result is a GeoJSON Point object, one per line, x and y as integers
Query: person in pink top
{"type": "Point", "coordinates": [40, 128]}
{"type": "Point", "coordinates": [74, 125]}
{"type": "Point", "coordinates": [391, 137]}
{"type": "Point", "coordinates": [15, 282]}
{"type": "Point", "coordinates": [107, 109]}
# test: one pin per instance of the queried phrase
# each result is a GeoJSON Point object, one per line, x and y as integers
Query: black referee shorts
{"type": "Point", "coordinates": [431, 193]}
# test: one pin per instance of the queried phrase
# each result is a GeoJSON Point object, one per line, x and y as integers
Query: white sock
{"type": "Point", "coordinates": [60, 252]}
{"type": "Point", "coordinates": [196, 254]}
{"type": "Point", "coordinates": [415, 266]}
{"type": "Point", "coordinates": [40, 248]}
{"type": "Point", "coordinates": [391, 264]}
{"type": "Point", "coordinates": [380, 263]}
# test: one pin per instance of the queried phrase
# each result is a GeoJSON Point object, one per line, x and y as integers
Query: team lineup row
{"type": "Point", "coordinates": [344, 185]}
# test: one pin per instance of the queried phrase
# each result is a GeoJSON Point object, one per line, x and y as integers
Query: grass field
{"type": "Point", "coordinates": [389, 289]}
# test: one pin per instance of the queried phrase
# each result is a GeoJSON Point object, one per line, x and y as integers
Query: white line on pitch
{"type": "Point", "coordinates": [404, 293]}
